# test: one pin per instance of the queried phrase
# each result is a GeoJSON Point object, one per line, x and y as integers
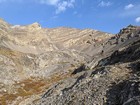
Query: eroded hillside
{"type": "Point", "coordinates": [33, 58]}
{"type": "Point", "coordinates": [68, 66]}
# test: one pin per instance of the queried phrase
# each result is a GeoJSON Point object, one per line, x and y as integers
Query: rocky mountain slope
{"type": "Point", "coordinates": [68, 66]}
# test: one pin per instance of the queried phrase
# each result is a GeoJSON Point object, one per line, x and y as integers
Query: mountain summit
{"type": "Point", "coordinates": [68, 66]}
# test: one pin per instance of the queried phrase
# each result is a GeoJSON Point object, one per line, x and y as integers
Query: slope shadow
{"type": "Point", "coordinates": [130, 54]}
{"type": "Point", "coordinates": [128, 91]}
{"type": "Point", "coordinates": [125, 93]}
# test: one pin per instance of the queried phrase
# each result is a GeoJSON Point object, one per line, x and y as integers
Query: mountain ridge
{"type": "Point", "coordinates": [49, 65]}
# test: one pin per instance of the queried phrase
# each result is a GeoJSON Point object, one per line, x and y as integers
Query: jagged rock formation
{"type": "Point", "coordinates": [62, 66]}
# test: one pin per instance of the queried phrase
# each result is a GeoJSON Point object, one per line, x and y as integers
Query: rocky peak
{"type": "Point", "coordinates": [34, 26]}
{"type": "Point", "coordinates": [128, 29]}
{"type": "Point", "coordinates": [3, 25]}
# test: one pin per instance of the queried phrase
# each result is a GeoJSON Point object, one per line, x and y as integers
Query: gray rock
{"type": "Point", "coordinates": [68, 66]}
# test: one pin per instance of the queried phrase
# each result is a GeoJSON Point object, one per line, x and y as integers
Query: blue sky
{"type": "Point", "coordinates": [104, 15]}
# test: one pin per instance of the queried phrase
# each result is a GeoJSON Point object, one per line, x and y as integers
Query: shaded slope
{"type": "Point", "coordinates": [114, 80]}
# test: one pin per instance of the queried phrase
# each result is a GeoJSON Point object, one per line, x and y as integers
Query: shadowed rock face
{"type": "Point", "coordinates": [68, 66]}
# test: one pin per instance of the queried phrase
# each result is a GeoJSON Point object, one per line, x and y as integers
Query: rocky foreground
{"type": "Point", "coordinates": [68, 66]}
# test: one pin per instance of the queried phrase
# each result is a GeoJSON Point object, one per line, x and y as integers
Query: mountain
{"type": "Point", "coordinates": [68, 66]}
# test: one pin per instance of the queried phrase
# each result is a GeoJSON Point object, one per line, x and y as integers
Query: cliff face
{"type": "Point", "coordinates": [68, 66]}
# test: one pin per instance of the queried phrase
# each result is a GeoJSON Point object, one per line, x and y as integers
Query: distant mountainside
{"type": "Point", "coordinates": [68, 66]}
